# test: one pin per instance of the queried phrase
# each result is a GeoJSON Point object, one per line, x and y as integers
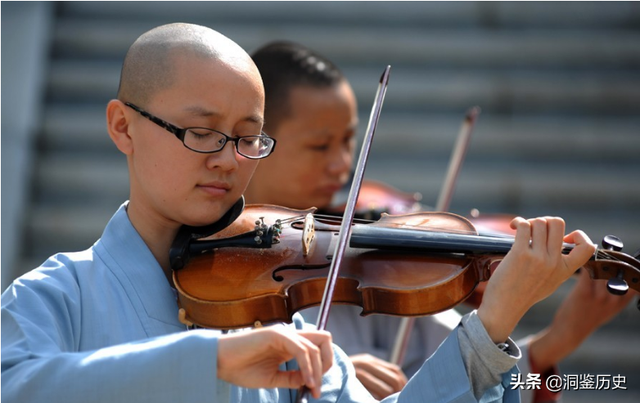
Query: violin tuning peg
{"type": "Point", "coordinates": [612, 242]}
{"type": "Point", "coordinates": [617, 285]}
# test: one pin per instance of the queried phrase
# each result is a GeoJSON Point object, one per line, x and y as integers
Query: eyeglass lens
{"type": "Point", "coordinates": [208, 141]}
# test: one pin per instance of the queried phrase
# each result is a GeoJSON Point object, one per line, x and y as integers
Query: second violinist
{"type": "Point", "coordinates": [311, 111]}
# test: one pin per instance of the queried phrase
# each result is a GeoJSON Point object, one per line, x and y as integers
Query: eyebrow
{"type": "Point", "coordinates": [322, 135]}
{"type": "Point", "coordinates": [202, 112]}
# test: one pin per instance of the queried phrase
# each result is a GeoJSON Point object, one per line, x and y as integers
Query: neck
{"type": "Point", "coordinates": [156, 234]}
{"type": "Point", "coordinates": [254, 194]}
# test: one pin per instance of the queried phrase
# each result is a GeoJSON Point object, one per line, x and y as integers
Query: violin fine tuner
{"type": "Point", "coordinates": [261, 230]}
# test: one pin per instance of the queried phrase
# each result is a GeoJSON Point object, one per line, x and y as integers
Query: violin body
{"type": "Point", "coordinates": [375, 198]}
{"type": "Point", "coordinates": [235, 287]}
{"type": "Point", "coordinates": [406, 265]}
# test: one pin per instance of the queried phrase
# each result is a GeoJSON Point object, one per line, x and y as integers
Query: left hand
{"type": "Point", "coordinates": [381, 378]}
{"type": "Point", "coordinates": [532, 270]}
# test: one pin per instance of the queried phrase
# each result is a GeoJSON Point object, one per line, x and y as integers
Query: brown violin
{"type": "Point", "coordinates": [252, 273]}
{"type": "Point", "coordinates": [375, 198]}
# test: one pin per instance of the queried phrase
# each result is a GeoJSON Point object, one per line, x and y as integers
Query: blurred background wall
{"type": "Point", "coordinates": [559, 132]}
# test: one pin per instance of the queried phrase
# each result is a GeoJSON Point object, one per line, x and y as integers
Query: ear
{"type": "Point", "coordinates": [118, 126]}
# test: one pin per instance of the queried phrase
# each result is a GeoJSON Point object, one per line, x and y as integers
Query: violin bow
{"type": "Point", "coordinates": [444, 201]}
{"type": "Point", "coordinates": [347, 220]}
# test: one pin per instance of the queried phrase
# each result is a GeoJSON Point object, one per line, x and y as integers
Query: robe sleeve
{"type": "Point", "coordinates": [466, 364]}
{"type": "Point", "coordinates": [41, 361]}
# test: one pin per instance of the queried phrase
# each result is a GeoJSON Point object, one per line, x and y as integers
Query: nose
{"type": "Point", "coordinates": [225, 159]}
{"type": "Point", "coordinates": [340, 161]}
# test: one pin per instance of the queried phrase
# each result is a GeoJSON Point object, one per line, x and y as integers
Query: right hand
{"type": "Point", "coordinates": [251, 359]}
{"type": "Point", "coordinates": [571, 326]}
{"type": "Point", "coordinates": [381, 378]}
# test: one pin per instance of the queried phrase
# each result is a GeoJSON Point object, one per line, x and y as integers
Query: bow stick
{"type": "Point", "coordinates": [347, 220]}
{"type": "Point", "coordinates": [444, 200]}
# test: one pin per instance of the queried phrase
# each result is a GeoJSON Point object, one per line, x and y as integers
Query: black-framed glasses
{"type": "Point", "coordinates": [203, 140]}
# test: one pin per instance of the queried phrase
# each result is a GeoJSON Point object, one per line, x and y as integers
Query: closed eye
{"type": "Point", "coordinates": [319, 147]}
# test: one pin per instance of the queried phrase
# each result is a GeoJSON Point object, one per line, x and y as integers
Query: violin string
{"type": "Point", "coordinates": [600, 253]}
{"type": "Point", "coordinates": [338, 220]}
{"type": "Point", "coordinates": [604, 254]}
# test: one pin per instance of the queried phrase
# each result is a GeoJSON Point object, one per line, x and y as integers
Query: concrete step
{"type": "Point", "coordinates": [423, 44]}
{"type": "Point", "coordinates": [82, 128]}
{"type": "Point", "coordinates": [459, 14]}
{"type": "Point", "coordinates": [528, 92]}
{"type": "Point", "coordinates": [416, 89]}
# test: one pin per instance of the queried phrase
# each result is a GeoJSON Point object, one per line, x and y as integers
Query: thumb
{"type": "Point", "coordinates": [582, 251]}
{"type": "Point", "coordinates": [294, 380]}
{"type": "Point", "coordinates": [288, 379]}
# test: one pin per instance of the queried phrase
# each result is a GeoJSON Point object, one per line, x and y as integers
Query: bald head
{"type": "Point", "coordinates": [149, 65]}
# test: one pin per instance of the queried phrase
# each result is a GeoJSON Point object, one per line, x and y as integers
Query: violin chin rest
{"type": "Point", "coordinates": [179, 251]}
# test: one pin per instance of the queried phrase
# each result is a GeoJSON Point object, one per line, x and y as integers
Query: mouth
{"type": "Point", "coordinates": [331, 188]}
{"type": "Point", "coordinates": [215, 188]}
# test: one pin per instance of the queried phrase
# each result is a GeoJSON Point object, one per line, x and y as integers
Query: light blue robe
{"type": "Point", "coordinates": [376, 335]}
{"type": "Point", "coordinates": [102, 326]}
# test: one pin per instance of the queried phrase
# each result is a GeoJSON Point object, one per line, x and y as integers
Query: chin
{"type": "Point", "coordinates": [320, 203]}
{"type": "Point", "coordinates": [205, 217]}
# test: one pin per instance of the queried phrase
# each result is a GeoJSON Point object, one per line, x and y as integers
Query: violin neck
{"type": "Point", "coordinates": [365, 236]}
{"type": "Point", "coordinates": [375, 237]}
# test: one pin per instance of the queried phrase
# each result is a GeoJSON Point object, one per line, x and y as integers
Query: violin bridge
{"type": "Point", "coordinates": [308, 234]}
